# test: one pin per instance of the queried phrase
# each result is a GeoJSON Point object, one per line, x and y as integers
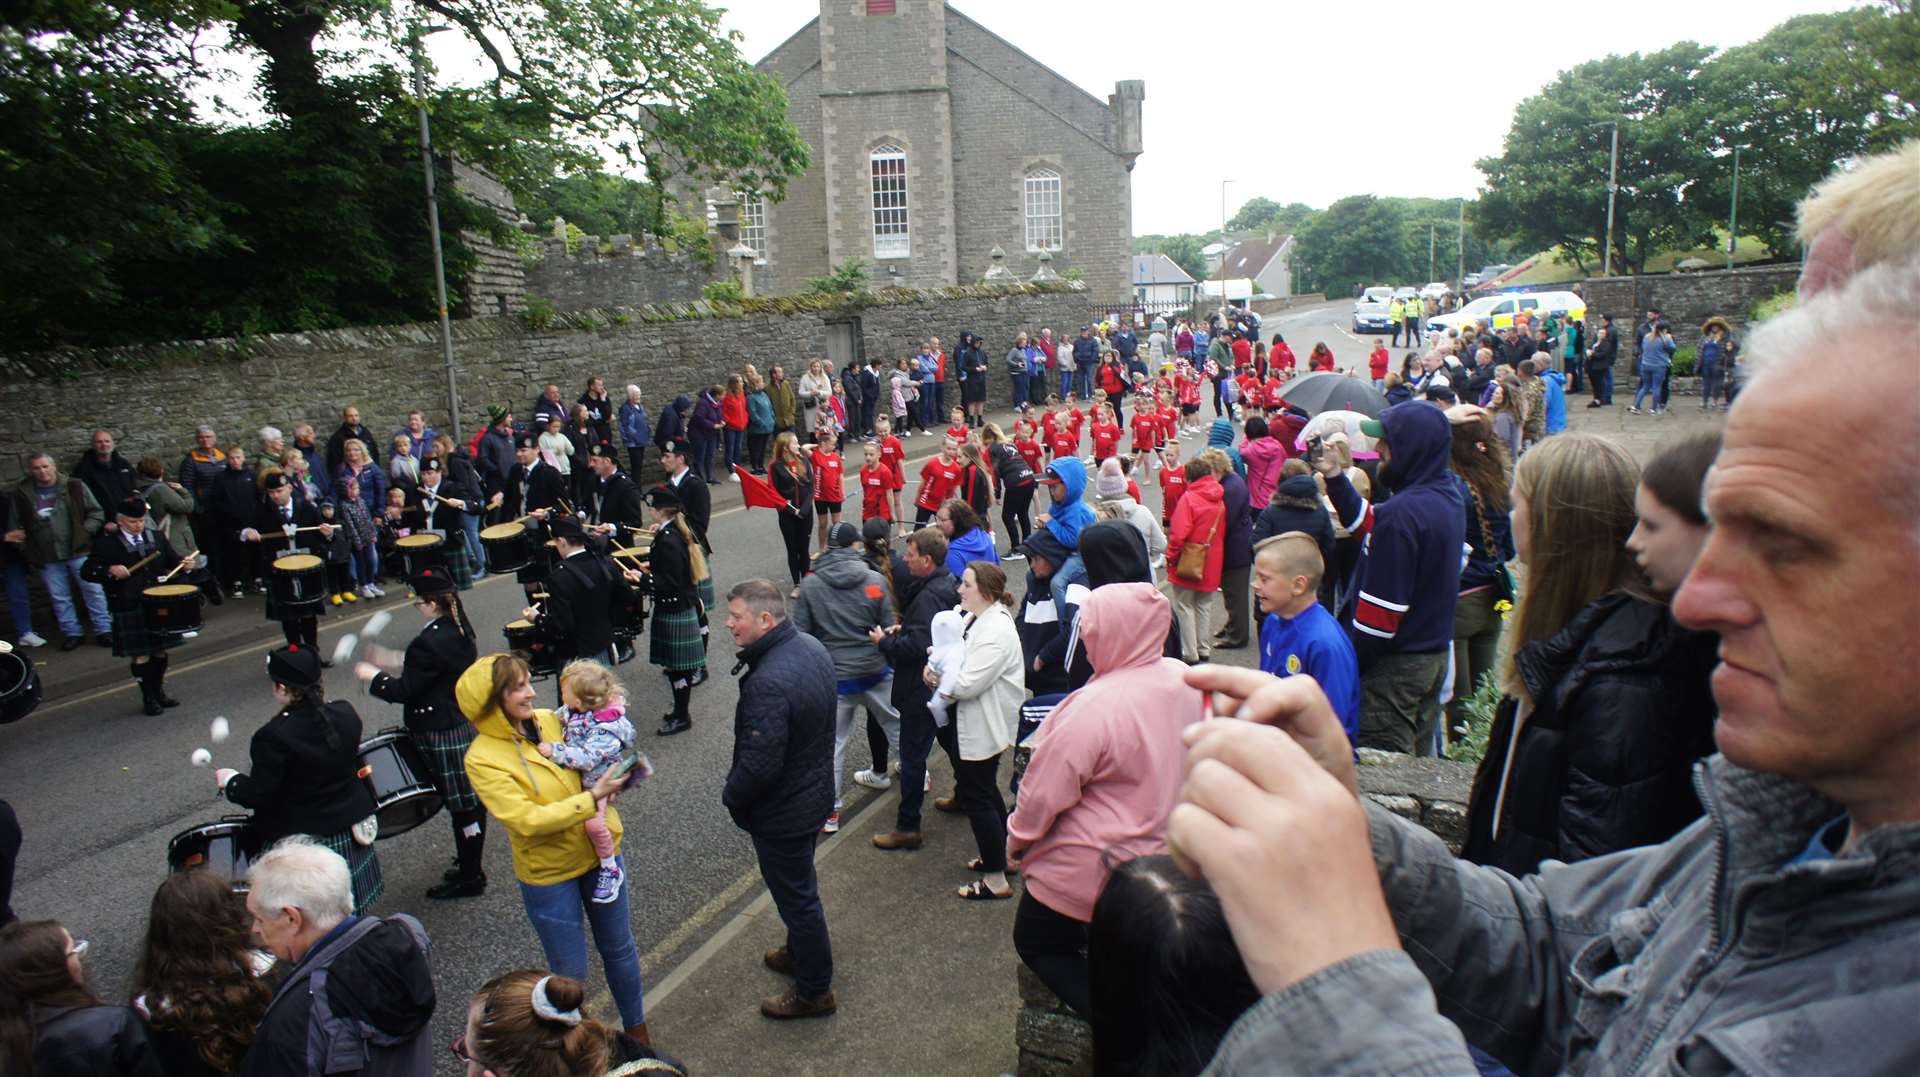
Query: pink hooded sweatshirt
{"type": "Point", "coordinates": [1108, 764]}
{"type": "Point", "coordinates": [1264, 457]}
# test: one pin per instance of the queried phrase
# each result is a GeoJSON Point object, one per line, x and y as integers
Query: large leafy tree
{"type": "Point", "coordinates": [1548, 187]}
{"type": "Point", "coordinates": [1358, 240]}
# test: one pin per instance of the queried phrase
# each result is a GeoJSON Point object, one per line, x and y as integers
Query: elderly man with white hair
{"type": "Point", "coordinates": [1776, 934]}
{"type": "Point", "coordinates": [372, 1015]}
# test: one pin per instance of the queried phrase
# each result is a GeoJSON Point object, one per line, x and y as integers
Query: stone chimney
{"type": "Point", "coordinates": [1125, 106]}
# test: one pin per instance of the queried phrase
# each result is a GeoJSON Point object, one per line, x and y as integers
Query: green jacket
{"type": "Point", "coordinates": [781, 393]}
{"type": "Point", "coordinates": [64, 534]}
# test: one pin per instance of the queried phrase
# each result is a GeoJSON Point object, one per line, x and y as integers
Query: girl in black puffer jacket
{"type": "Point", "coordinates": [1607, 703]}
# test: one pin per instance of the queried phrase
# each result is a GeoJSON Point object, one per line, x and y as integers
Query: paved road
{"type": "Point", "coordinates": [100, 788]}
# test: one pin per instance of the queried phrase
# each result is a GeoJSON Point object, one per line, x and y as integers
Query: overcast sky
{"type": "Point", "coordinates": [1389, 97]}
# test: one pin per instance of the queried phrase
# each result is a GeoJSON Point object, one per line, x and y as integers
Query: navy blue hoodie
{"type": "Point", "coordinates": [1409, 572]}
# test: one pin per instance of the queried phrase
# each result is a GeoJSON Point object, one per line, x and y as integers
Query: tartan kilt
{"type": "Point", "coordinates": [459, 568]}
{"type": "Point", "coordinates": [132, 638]}
{"type": "Point", "coordinates": [705, 587]}
{"type": "Point", "coordinates": [445, 751]}
{"type": "Point", "coordinates": [678, 640]}
{"type": "Point", "coordinates": [368, 883]}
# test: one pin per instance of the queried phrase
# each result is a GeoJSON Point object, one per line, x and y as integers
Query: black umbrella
{"type": "Point", "coordinates": [1324, 390]}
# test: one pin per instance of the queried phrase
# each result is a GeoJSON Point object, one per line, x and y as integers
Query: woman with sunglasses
{"type": "Point", "coordinates": [50, 1022]}
{"type": "Point", "coordinates": [529, 1023]}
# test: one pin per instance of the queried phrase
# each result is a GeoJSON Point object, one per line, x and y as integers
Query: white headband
{"type": "Point", "coordinates": [543, 1006]}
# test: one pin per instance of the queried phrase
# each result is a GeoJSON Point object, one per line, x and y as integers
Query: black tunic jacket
{"type": "Point", "coordinates": [306, 774]}
{"type": "Point", "coordinates": [435, 659]}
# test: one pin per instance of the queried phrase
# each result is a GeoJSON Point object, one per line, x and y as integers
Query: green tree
{"type": "Point", "coordinates": [1359, 240]}
{"type": "Point", "coordinates": [1816, 90]}
{"type": "Point", "coordinates": [1548, 186]}
{"type": "Point", "coordinates": [1183, 250]}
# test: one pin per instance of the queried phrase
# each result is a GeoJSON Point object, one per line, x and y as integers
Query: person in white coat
{"type": "Point", "coordinates": [986, 699]}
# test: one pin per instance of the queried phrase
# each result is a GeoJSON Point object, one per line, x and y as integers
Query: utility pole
{"type": "Point", "coordinates": [1221, 273]}
{"type": "Point", "coordinates": [1460, 274]}
{"type": "Point", "coordinates": [1733, 211]}
{"type": "Point", "coordinates": [433, 222]}
{"type": "Point", "coordinates": [1613, 188]}
{"type": "Point", "coordinates": [1429, 250]}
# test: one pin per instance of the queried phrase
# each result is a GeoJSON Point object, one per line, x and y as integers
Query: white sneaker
{"type": "Point", "coordinates": [367, 591]}
{"type": "Point", "coordinates": [735, 477]}
{"type": "Point", "coordinates": [926, 783]}
{"type": "Point", "coordinates": [832, 825]}
{"type": "Point", "coordinates": [872, 780]}
{"type": "Point", "coordinates": [31, 639]}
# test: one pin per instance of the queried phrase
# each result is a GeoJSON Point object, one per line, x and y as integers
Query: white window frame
{"type": "Point", "coordinates": [887, 188]}
{"type": "Point", "coordinates": [1043, 206]}
{"type": "Point", "coordinates": [753, 224]}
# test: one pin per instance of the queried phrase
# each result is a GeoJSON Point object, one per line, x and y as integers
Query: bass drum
{"type": "Point", "coordinates": [404, 795]}
{"type": "Point", "coordinates": [509, 546]}
{"type": "Point", "coordinates": [421, 551]}
{"type": "Point", "coordinates": [19, 686]}
{"type": "Point", "coordinates": [531, 640]}
{"type": "Point", "coordinates": [298, 584]}
{"type": "Point", "coordinates": [228, 848]}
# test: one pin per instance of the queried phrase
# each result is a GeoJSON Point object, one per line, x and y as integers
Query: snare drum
{"type": "Point", "coordinates": [531, 639]}
{"type": "Point", "coordinates": [298, 584]}
{"type": "Point", "coordinates": [509, 547]}
{"type": "Point", "coordinates": [421, 551]}
{"type": "Point", "coordinates": [173, 608]}
{"type": "Point", "coordinates": [404, 795]}
{"type": "Point", "coordinates": [227, 848]}
{"type": "Point", "coordinates": [19, 687]}
{"type": "Point", "coordinates": [630, 615]}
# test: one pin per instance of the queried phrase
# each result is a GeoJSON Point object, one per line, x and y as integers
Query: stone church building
{"type": "Point", "coordinates": [934, 141]}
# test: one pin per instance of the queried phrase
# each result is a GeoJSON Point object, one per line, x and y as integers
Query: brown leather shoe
{"type": "Point", "coordinates": [780, 960]}
{"type": "Point", "coordinates": [639, 1033]}
{"type": "Point", "coordinates": [897, 839]}
{"type": "Point", "coordinates": [950, 805]}
{"type": "Point", "coordinates": [791, 1004]}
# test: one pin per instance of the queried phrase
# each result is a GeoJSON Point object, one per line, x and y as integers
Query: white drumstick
{"type": "Point", "coordinates": [343, 650]}
{"type": "Point", "coordinates": [219, 730]}
{"type": "Point", "coordinates": [201, 757]}
{"type": "Point", "coordinates": [378, 623]}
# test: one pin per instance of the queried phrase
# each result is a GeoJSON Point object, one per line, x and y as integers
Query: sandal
{"type": "Point", "coordinates": [977, 864]}
{"type": "Point", "coordinates": [978, 890]}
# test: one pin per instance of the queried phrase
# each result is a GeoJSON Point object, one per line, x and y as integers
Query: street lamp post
{"type": "Point", "coordinates": [1733, 211]}
{"type": "Point", "coordinates": [1460, 248]}
{"type": "Point", "coordinates": [1221, 273]}
{"type": "Point", "coordinates": [433, 220]}
{"type": "Point", "coordinates": [1613, 188]}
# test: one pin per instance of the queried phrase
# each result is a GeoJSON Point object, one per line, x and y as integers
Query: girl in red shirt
{"type": "Point", "coordinates": [1321, 358]}
{"type": "Point", "coordinates": [1377, 366]}
{"type": "Point", "coordinates": [1106, 433]}
{"type": "Point", "coordinates": [1250, 394]}
{"type": "Point", "coordinates": [1076, 421]}
{"type": "Point", "coordinates": [958, 428]}
{"type": "Point", "coordinates": [894, 456]}
{"type": "Point", "coordinates": [1169, 424]}
{"type": "Point", "coordinates": [828, 492]}
{"type": "Point", "coordinates": [733, 422]}
{"type": "Point", "coordinates": [1270, 393]}
{"type": "Point", "coordinates": [938, 477]}
{"type": "Point", "coordinates": [1026, 446]}
{"type": "Point", "coordinates": [1281, 357]}
{"type": "Point", "coordinates": [1173, 482]}
{"type": "Point", "coordinates": [1146, 427]}
{"type": "Point", "coordinates": [876, 486]}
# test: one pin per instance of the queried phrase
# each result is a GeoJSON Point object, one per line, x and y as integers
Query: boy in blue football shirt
{"type": "Point", "coordinates": [1298, 635]}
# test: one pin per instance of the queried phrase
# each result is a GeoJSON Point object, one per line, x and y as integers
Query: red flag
{"type": "Point", "coordinates": [760, 493]}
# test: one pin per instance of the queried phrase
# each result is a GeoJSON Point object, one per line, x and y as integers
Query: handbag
{"type": "Point", "coordinates": [1193, 556]}
{"type": "Point", "coordinates": [1503, 587]}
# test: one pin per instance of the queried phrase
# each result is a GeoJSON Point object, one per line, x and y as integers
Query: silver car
{"type": "Point", "coordinates": [1370, 311]}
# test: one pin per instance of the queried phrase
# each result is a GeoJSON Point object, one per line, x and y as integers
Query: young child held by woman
{"type": "Point", "coordinates": [594, 714]}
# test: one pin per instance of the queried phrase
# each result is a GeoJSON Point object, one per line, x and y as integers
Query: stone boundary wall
{"type": "Point", "coordinates": [614, 271]}
{"type": "Point", "coordinates": [1687, 299]}
{"type": "Point", "coordinates": [1431, 792]}
{"type": "Point", "coordinates": [152, 396]}
{"type": "Point", "coordinates": [1288, 302]}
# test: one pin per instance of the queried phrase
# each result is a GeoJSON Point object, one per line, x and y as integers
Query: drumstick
{"type": "Point", "coordinates": [184, 562]}
{"type": "Point", "coordinates": [142, 563]}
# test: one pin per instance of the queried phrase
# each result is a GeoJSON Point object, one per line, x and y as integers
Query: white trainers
{"type": "Point", "coordinates": [832, 825]}
{"type": "Point", "coordinates": [735, 477]}
{"type": "Point", "coordinates": [872, 780]}
{"type": "Point", "coordinates": [31, 639]}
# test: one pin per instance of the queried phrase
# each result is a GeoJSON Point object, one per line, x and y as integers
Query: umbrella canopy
{"type": "Point", "coordinates": [1327, 423]}
{"type": "Point", "coordinates": [1326, 391]}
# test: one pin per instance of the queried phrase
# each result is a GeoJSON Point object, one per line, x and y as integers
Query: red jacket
{"type": "Point", "coordinates": [1050, 349]}
{"type": "Point", "coordinates": [1242, 351]}
{"type": "Point", "coordinates": [1201, 516]}
{"type": "Point", "coordinates": [1281, 357]}
{"type": "Point", "coordinates": [1377, 362]}
{"type": "Point", "coordinates": [733, 410]}
{"type": "Point", "coordinates": [1321, 362]}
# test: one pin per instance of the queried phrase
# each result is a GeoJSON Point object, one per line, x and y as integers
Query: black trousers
{"type": "Point", "coordinates": [1233, 594]}
{"type": "Point", "coordinates": [637, 457]}
{"type": "Point", "coordinates": [917, 738]}
{"type": "Point", "coordinates": [301, 631]}
{"type": "Point", "coordinates": [796, 531]}
{"type": "Point", "coordinates": [786, 865]}
{"type": "Point", "coordinates": [1013, 512]}
{"type": "Point", "coordinates": [977, 788]}
{"type": "Point", "coordinates": [757, 450]}
{"type": "Point", "coordinates": [1054, 946]}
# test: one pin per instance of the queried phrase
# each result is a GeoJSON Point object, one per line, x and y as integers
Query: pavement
{"type": "Point", "coordinates": [925, 981]}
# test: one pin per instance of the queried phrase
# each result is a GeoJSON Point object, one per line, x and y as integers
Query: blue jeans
{"type": "Point", "coordinates": [1086, 382]}
{"type": "Point", "coordinates": [60, 577]}
{"type": "Point", "coordinates": [786, 864]}
{"type": "Point", "coordinates": [1709, 383]}
{"type": "Point", "coordinates": [476, 553]}
{"type": "Point", "coordinates": [736, 441]}
{"type": "Point", "coordinates": [557, 911]}
{"type": "Point", "coordinates": [19, 603]}
{"type": "Point", "coordinates": [703, 455]}
{"type": "Point", "coordinates": [929, 400]}
{"type": "Point", "coordinates": [1651, 379]}
{"type": "Point", "coordinates": [939, 415]}
{"type": "Point", "coordinates": [1020, 390]}
{"type": "Point", "coordinates": [1602, 378]}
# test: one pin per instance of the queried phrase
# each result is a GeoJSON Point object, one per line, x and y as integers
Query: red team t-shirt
{"type": "Point", "coordinates": [958, 433]}
{"type": "Point", "coordinates": [1029, 451]}
{"type": "Point", "coordinates": [1169, 424]}
{"type": "Point", "coordinates": [937, 480]}
{"type": "Point", "coordinates": [876, 483]}
{"type": "Point", "coordinates": [826, 477]}
{"type": "Point", "coordinates": [893, 456]}
{"type": "Point", "coordinates": [1146, 429]}
{"type": "Point", "coordinates": [1105, 437]}
{"type": "Point", "coordinates": [1173, 483]}
{"type": "Point", "coordinates": [1273, 390]}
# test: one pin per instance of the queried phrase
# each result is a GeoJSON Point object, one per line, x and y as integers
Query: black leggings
{"type": "Point", "coordinates": [1013, 513]}
{"type": "Point", "coordinates": [757, 450]}
{"type": "Point", "coordinates": [301, 631]}
{"type": "Point", "coordinates": [1054, 946]}
{"type": "Point", "coordinates": [976, 785]}
{"type": "Point", "coordinates": [796, 531]}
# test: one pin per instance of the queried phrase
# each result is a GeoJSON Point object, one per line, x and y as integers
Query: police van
{"type": "Point", "coordinates": [1501, 311]}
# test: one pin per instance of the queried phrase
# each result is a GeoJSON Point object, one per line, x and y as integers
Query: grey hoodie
{"type": "Point", "coordinates": [838, 604]}
{"type": "Point", "coordinates": [1715, 952]}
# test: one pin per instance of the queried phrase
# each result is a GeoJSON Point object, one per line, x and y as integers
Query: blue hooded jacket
{"type": "Point", "coordinates": [1220, 436]}
{"type": "Point", "coordinates": [1408, 578]}
{"type": "Point", "coordinates": [1069, 513]}
{"type": "Point", "coordinates": [975, 545]}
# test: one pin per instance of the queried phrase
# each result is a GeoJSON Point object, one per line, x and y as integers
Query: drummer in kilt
{"type": "Point", "coordinates": [446, 505]}
{"type": "Point", "coordinates": [110, 564]}
{"type": "Point", "coordinates": [673, 570]}
{"type": "Point", "coordinates": [280, 528]}
{"type": "Point", "coordinates": [306, 771]}
{"type": "Point", "coordinates": [424, 685]}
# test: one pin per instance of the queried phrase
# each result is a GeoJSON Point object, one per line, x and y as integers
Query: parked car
{"type": "Point", "coordinates": [1370, 310]}
{"type": "Point", "coordinates": [1405, 293]}
{"type": "Point", "coordinates": [1436, 290]}
{"type": "Point", "coordinates": [1469, 280]}
{"type": "Point", "coordinates": [1499, 310]}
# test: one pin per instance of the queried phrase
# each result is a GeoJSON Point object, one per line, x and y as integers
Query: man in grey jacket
{"type": "Point", "coordinates": [1779, 933]}
{"type": "Point", "coordinates": [840, 605]}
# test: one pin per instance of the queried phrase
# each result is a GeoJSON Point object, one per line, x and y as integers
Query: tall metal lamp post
{"type": "Point", "coordinates": [1613, 188]}
{"type": "Point", "coordinates": [416, 38]}
{"type": "Point", "coordinates": [1733, 210]}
